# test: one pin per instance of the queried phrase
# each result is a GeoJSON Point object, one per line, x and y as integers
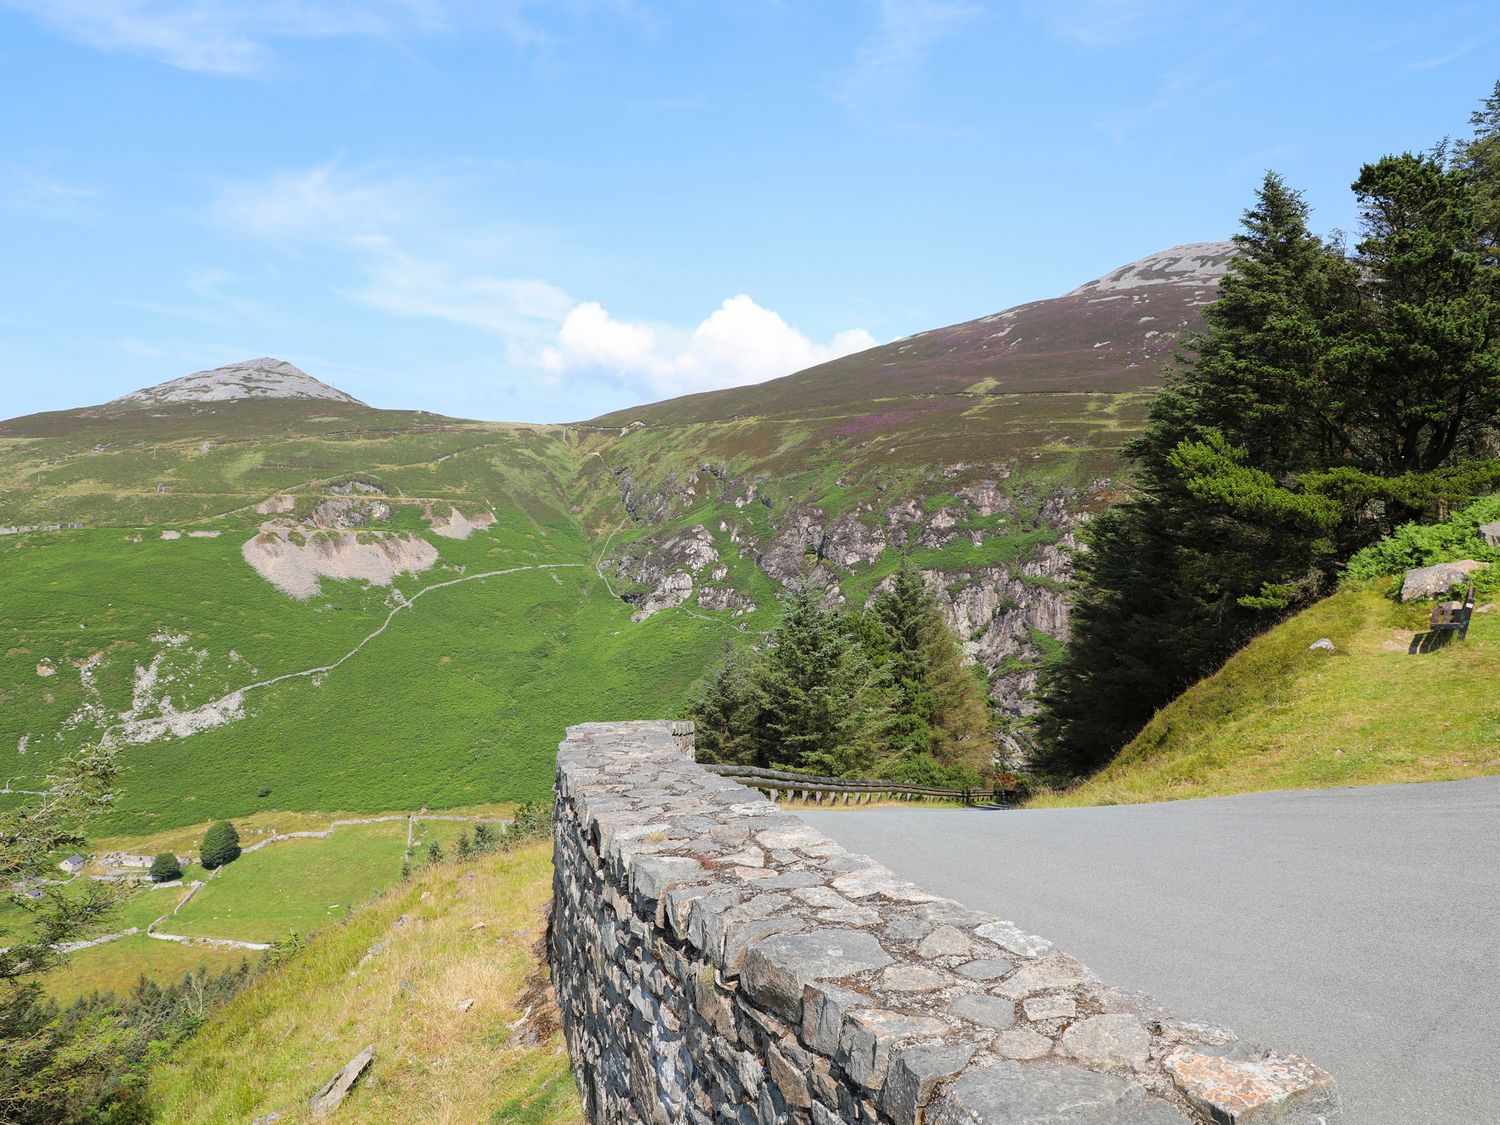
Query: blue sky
{"type": "Point", "coordinates": [540, 211]}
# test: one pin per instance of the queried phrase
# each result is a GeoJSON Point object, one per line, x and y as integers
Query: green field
{"type": "Point", "coordinates": [295, 885]}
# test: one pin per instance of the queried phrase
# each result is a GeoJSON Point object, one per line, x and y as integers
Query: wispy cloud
{"type": "Point", "coordinates": [240, 37]}
{"type": "Point", "coordinates": [891, 58]}
{"type": "Point", "coordinates": [410, 252]}
{"type": "Point", "coordinates": [1441, 60]}
{"type": "Point", "coordinates": [1107, 23]}
{"type": "Point", "coordinates": [217, 36]}
{"type": "Point", "coordinates": [24, 189]}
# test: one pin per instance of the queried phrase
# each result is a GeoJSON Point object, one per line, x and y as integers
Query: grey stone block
{"type": "Point", "coordinates": [988, 1011]}
{"type": "Point", "coordinates": [913, 1074]}
{"type": "Point", "coordinates": [776, 969]}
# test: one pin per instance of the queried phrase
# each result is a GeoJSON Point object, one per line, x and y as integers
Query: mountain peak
{"type": "Point", "coordinates": [1193, 263]}
{"type": "Point", "coordinates": [265, 377]}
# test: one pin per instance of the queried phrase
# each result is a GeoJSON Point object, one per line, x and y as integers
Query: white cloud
{"type": "Point", "coordinates": [408, 285]}
{"type": "Point", "coordinates": [410, 255]}
{"type": "Point", "coordinates": [217, 36]}
{"type": "Point", "coordinates": [739, 342]}
{"type": "Point", "coordinates": [1106, 23]}
{"type": "Point", "coordinates": [323, 202]}
{"type": "Point", "coordinates": [905, 33]}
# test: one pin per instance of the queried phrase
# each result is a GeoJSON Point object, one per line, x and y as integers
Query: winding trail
{"type": "Point", "coordinates": [230, 701]}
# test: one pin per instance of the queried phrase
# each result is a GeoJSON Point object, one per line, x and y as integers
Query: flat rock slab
{"type": "Point", "coordinates": [1279, 1089]}
{"type": "Point", "coordinates": [1011, 1093]}
{"type": "Point", "coordinates": [332, 1095]}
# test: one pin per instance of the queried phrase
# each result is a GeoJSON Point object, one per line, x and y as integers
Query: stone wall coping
{"type": "Point", "coordinates": [922, 1007]}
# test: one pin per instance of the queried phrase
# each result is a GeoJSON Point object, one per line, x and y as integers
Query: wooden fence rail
{"type": "Point", "coordinates": [781, 785]}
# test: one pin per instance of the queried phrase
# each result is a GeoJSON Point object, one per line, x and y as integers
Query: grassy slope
{"type": "Point", "coordinates": [1278, 716]}
{"type": "Point", "coordinates": [506, 661]}
{"type": "Point", "coordinates": [275, 1044]}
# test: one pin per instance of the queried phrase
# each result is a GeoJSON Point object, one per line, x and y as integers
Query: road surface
{"type": "Point", "coordinates": [1358, 926]}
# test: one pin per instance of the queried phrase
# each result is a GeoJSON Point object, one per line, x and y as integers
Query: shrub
{"type": "Point", "coordinates": [532, 821]}
{"type": "Point", "coordinates": [435, 852]}
{"type": "Point", "coordinates": [1413, 545]}
{"type": "Point", "coordinates": [165, 868]}
{"type": "Point", "coordinates": [221, 845]}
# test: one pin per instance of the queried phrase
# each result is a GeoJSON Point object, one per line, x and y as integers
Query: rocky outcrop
{"type": "Point", "coordinates": [252, 378]}
{"type": "Point", "coordinates": [657, 573]}
{"type": "Point", "coordinates": [717, 960]}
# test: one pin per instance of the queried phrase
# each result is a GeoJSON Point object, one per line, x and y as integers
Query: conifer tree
{"type": "Point", "coordinates": [1428, 378]}
{"type": "Point", "coordinates": [435, 853]}
{"type": "Point", "coordinates": [825, 702]}
{"type": "Point", "coordinates": [221, 845]}
{"type": "Point", "coordinates": [937, 705]}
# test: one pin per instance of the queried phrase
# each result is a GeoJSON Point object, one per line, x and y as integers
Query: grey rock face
{"type": "Point", "coordinates": [333, 1093]}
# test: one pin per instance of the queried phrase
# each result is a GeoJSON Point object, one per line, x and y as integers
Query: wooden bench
{"type": "Point", "coordinates": [1453, 616]}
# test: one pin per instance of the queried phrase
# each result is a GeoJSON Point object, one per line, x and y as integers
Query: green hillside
{"type": "Point", "coordinates": [141, 615]}
{"type": "Point", "coordinates": [1280, 715]}
{"type": "Point", "coordinates": [305, 603]}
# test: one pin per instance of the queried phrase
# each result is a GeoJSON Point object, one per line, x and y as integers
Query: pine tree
{"type": "Point", "coordinates": [825, 703]}
{"type": "Point", "coordinates": [484, 838]}
{"type": "Point", "coordinates": [938, 707]}
{"type": "Point", "coordinates": [1479, 160]}
{"type": "Point", "coordinates": [728, 714]}
{"type": "Point", "coordinates": [465, 848]}
{"type": "Point", "coordinates": [1428, 381]}
{"type": "Point", "coordinates": [221, 845]}
{"type": "Point", "coordinates": [435, 853]}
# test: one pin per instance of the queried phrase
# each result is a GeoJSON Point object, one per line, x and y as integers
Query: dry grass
{"type": "Point", "coordinates": [471, 933]}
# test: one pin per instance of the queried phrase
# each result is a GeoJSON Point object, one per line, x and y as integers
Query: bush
{"type": "Point", "coordinates": [221, 845]}
{"type": "Point", "coordinates": [532, 821]}
{"type": "Point", "coordinates": [1413, 544]}
{"type": "Point", "coordinates": [165, 868]}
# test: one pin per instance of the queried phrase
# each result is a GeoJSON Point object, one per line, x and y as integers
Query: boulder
{"type": "Point", "coordinates": [1491, 533]}
{"type": "Point", "coordinates": [1322, 644]}
{"type": "Point", "coordinates": [1428, 581]}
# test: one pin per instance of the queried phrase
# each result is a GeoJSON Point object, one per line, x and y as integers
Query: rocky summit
{"type": "Point", "coordinates": [265, 377]}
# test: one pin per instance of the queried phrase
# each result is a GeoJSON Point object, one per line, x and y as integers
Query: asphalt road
{"type": "Point", "coordinates": [1358, 926]}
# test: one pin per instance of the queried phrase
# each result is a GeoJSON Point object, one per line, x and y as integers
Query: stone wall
{"type": "Point", "coordinates": [716, 960]}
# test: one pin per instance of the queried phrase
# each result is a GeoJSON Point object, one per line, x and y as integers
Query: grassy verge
{"type": "Point", "coordinates": [1278, 716]}
{"type": "Point", "coordinates": [469, 934]}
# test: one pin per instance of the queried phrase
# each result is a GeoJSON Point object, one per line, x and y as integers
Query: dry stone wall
{"type": "Point", "coordinates": [719, 962]}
